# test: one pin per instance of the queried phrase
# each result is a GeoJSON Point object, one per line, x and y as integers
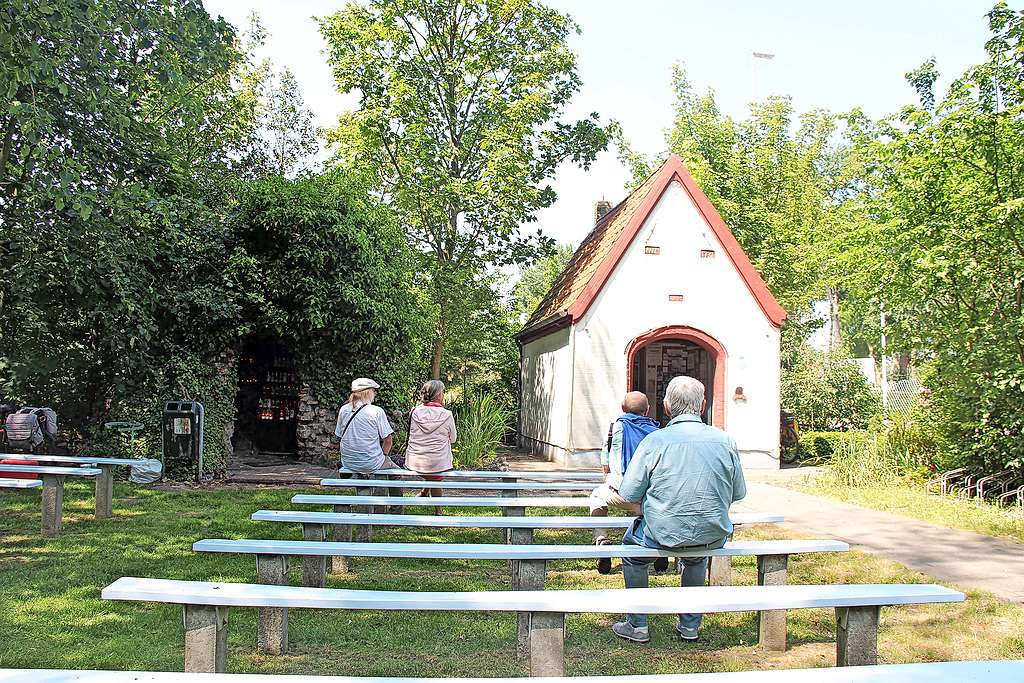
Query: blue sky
{"type": "Point", "coordinates": [830, 55]}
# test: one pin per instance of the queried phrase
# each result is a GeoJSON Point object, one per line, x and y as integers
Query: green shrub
{"type": "Point", "coordinates": [819, 446]}
{"type": "Point", "coordinates": [482, 421]}
{"type": "Point", "coordinates": [827, 392]}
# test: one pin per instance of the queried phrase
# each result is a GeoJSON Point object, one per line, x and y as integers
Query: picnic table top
{"type": "Point", "coordinates": [699, 599]}
{"type": "Point", "coordinates": [81, 459]}
{"type": "Point", "coordinates": [60, 471]}
{"type": "Point", "coordinates": [479, 522]}
{"type": "Point", "coordinates": [505, 551]}
{"type": "Point", "coordinates": [461, 485]}
{"type": "Point", "coordinates": [930, 672]}
{"type": "Point", "coordinates": [532, 475]}
{"type": "Point", "coordinates": [7, 483]}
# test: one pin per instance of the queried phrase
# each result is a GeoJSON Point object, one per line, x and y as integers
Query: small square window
{"type": "Point", "coordinates": [675, 297]}
{"type": "Point", "coordinates": [652, 250]}
{"type": "Point", "coordinates": [707, 253]}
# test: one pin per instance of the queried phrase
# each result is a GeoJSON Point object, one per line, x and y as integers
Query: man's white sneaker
{"type": "Point", "coordinates": [688, 635]}
{"type": "Point", "coordinates": [624, 629]}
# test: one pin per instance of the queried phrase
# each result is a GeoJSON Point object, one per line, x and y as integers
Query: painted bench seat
{"type": "Point", "coordinates": [510, 486]}
{"type": "Point", "coordinates": [499, 475]}
{"type": "Point", "coordinates": [206, 605]}
{"type": "Point", "coordinates": [20, 483]}
{"type": "Point", "coordinates": [931, 672]}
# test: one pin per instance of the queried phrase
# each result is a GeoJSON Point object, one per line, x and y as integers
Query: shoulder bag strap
{"type": "Point", "coordinates": [349, 423]}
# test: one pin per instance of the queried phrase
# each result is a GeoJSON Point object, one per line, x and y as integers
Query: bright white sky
{"type": "Point", "coordinates": [829, 54]}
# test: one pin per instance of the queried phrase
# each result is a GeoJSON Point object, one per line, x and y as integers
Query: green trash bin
{"type": "Point", "coordinates": [181, 438]}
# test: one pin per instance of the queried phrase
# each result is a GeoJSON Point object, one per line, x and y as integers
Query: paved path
{"type": "Point", "coordinates": [962, 557]}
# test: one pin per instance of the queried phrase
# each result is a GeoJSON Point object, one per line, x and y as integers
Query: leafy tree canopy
{"type": "Point", "coordinates": [460, 125]}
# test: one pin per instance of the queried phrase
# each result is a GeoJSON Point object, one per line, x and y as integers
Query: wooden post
{"type": "Point", "coordinates": [771, 627]}
{"type": "Point", "coordinates": [529, 576]}
{"type": "Point", "coordinates": [105, 492]}
{"type": "Point", "coordinates": [342, 534]}
{"type": "Point", "coordinates": [52, 503]}
{"type": "Point", "coordinates": [272, 624]}
{"type": "Point", "coordinates": [314, 567]}
{"type": "Point", "coordinates": [206, 638]}
{"type": "Point", "coordinates": [547, 644]}
{"type": "Point", "coordinates": [857, 636]}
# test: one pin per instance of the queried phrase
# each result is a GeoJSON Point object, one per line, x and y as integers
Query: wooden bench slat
{"type": "Point", "coordinates": [59, 471]}
{"type": "Point", "coordinates": [479, 522]}
{"type": "Point", "coordinates": [502, 551]}
{"type": "Point", "coordinates": [702, 599]}
{"type": "Point", "coordinates": [532, 475]}
{"type": "Point", "coordinates": [931, 672]}
{"type": "Point", "coordinates": [459, 485]}
{"type": "Point", "coordinates": [6, 483]}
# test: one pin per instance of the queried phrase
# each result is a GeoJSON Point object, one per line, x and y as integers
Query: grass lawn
{"type": "Point", "coordinates": [51, 614]}
{"type": "Point", "coordinates": [912, 501]}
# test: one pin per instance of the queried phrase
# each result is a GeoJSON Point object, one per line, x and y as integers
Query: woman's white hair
{"type": "Point", "coordinates": [684, 396]}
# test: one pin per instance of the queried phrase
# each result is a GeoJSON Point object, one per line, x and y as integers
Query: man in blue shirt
{"type": "Point", "coordinates": [685, 476]}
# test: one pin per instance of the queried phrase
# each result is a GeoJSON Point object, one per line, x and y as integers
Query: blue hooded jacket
{"type": "Point", "coordinates": [634, 429]}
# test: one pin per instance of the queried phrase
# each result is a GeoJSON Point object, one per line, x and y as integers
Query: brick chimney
{"type": "Point", "coordinates": [601, 208]}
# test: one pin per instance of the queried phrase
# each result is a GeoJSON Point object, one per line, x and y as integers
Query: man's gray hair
{"type": "Point", "coordinates": [684, 396]}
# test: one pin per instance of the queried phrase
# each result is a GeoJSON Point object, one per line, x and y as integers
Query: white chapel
{"type": "Point", "coordinates": [659, 288]}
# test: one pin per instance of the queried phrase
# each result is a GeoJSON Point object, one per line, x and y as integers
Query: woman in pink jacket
{"type": "Point", "coordinates": [431, 435]}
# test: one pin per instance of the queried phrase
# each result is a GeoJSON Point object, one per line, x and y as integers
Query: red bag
{"type": "Point", "coordinates": [19, 475]}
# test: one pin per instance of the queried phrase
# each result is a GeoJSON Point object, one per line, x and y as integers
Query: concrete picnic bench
{"type": "Point", "coordinates": [20, 483]}
{"type": "Point", "coordinates": [520, 528]}
{"type": "Point", "coordinates": [511, 507]}
{"type": "Point", "coordinates": [502, 475]}
{"type": "Point", "coordinates": [206, 604]}
{"type": "Point", "coordinates": [512, 487]}
{"type": "Point", "coordinates": [929, 672]}
{"type": "Point", "coordinates": [528, 565]}
{"type": "Point", "coordinates": [104, 480]}
{"type": "Point", "coordinates": [53, 490]}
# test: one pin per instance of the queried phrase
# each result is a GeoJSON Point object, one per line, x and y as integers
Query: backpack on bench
{"type": "Point", "coordinates": [29, 427]}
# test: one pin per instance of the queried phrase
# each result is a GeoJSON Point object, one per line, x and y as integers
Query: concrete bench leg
{"type": "Point", "coordinates": [547, 644]}
{"type": "Point", "coordinates": [363, 532]}
{"type": "Point", "coordinates": [272, 622]}
{"type": "Point", "coordinates": [314, 567]}
{"type": "Point", "coordinates": [720, 571]}
{"type": "Point", "coordinates": [856, 636]}
{"type": "Point", "coordinates": [342, 534]}
{"type": "Point", "coordinates": [510, 511]}
{"type": "Point", "coordinates": [771, 627]}
{"type": "Point", "coordinates": [529, 575]}
{"type": "Point", "coordinates": [395, 509]}
{"type": "Point", "coordinates": [105, 492]}
{"type": "Point", "coordinates": [52, 503]}
{"type": "Point", "coordinates": [206, 638]}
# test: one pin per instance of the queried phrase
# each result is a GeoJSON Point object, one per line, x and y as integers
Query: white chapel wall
{"type": "Point", "coordinates": [716, 301]}
{"type": "Point", "coordinates": [544, 404]}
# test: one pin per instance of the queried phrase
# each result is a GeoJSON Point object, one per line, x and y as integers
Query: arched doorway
{"type": "Point", "coordinates": [655, 357]}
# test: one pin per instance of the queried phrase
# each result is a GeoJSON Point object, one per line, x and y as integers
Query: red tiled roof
{"type": "Point", "coordinates": [575, 289]}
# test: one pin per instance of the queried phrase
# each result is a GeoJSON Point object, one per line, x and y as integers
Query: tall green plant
{"type": "Point", "coordinates": [482, 422]}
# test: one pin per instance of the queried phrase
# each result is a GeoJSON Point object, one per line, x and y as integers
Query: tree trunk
{"type": "Point", "coordinates": [442, 326]}
{"type": "Point", "coordinates": [835, 333]}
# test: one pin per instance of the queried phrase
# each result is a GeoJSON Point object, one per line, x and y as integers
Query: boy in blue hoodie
{"type": "Point", "coordinates": [624, 435]}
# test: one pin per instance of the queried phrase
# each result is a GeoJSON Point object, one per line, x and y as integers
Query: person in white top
{"type": "Point", "coordinates": [364, 430]}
